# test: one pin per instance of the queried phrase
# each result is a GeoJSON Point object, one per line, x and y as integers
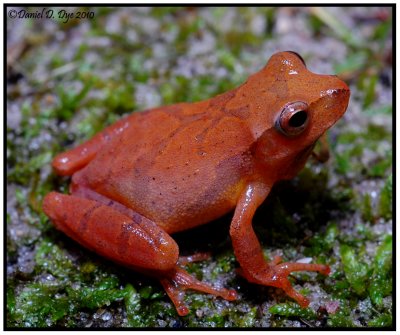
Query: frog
{"type": "Point", "coordinates": [169, 169]}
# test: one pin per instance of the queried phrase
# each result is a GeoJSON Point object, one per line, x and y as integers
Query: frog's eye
{"type": "Point", "coordinates": [293, 119]}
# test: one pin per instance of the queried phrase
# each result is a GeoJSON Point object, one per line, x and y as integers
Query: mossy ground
{"type": "Point", "coordinates": [67, 80]}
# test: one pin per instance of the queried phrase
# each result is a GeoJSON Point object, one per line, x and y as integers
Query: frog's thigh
{"type": "Point", "coordinates": [137, 242]}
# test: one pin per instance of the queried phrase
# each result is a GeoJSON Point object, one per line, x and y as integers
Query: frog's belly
{"type": "Point", "coordinates": [188, 212]}
{"type": "Point", "coordinates": [180, 201]}
{"type": "Point", "coordinates": [175, 197]}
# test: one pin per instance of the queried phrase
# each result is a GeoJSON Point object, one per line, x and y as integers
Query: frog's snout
{"type": "Point", "coordinates": [336, 96]}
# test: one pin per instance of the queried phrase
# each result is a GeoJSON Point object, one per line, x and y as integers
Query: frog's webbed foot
{"type": "Point", "coordinates": [178, 281]}
{"type": "Point", "coordinates": [276, 274]}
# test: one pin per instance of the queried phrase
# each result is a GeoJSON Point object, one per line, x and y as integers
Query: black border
{"type": "Point", "coordinates": [8, 5]}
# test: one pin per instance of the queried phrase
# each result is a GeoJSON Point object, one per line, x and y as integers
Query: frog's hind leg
{"type": "Point", "coordinates": [179, 281]}
{"type": "Point", "coordinates": [124, 236]}
{"type": "Point", "coordinates": [66, 163]}
{"type": "Point", "coordinates": [136, 243]}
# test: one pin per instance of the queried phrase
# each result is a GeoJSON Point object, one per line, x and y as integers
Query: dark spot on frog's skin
{"type": "Point", "coordinates": [173, 109]}
{"type": "Point", "coordinates": [85, 218]}
{"type": "Point", "coordinates": [221, 100]}
{"type": "Point", "coordinates": [136, 217]}
{"type": "Point", "coordinates": [100, 244]}
{"type": "Point", "coordinates": [123, 238]}
{"type": "Point", "coordinates": [280, 88]}
{"type": "Point", "coordinates": [242, 112]}
{"type": "Point", "coordinates": [187, 118]}
{"type": "Point", "coordinates": [228, 173]}
{"type": "Point", "coordinates": [106, 137]}
{"type": "Point", "coordinates": [214, 122]}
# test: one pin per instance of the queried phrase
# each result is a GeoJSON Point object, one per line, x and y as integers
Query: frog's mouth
{"type": "Point", "coordinates": [298, 162]}
{"type": "Point", "coordinates": [305, 153]}
{"type": "Point", "coordinates": [301, 158]}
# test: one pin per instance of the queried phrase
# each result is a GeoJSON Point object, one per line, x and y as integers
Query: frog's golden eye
{"type": "Point", "coordinates": [293, 119]}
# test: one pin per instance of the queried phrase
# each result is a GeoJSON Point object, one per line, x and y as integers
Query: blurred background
{"type": "Point", "coordinates": [67, 78]}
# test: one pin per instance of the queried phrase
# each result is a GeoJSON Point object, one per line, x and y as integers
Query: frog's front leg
{"type": "Point", "coordinates": [131, 240]}
{"type": "Point", "coordinates": [248, 250]}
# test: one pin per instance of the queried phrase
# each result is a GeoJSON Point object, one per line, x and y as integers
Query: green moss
{"type": "Point", "coordinates": [133, 308]}
{"type": "Point", "coordinates": [248, 319]}
{"type": "Point", "coordinates": [340, 289]}
{"type": "Point", "coordinates": [225, 264]}
{"type": "Point", "coordinates": [70, 100]}
{"type": "Point", "coordinates": [384, 320]}
{"type": "Point", "coordinates": [50, 258]}
{"type": "Point", "coordinates": [381, 281]}
{"type": "Point", "coordinates": [119, 98]}
{"type": "Point", "coordinates": [373, 280]}
{"type": "Point", "coordinates": [380, 168]}
{"type": "Point", "coordinates": [293, 310]}
{"type": "Point", "coordinates": [356, 272]}
{"type": "Point", "coordinates": [370, 90]}
{"type": "Point", "coordinates": [385, 200]}
{"type": "Point", "coordinates": [322, 244]}
{"type": "Point", "coordinates": [376, 133]}
{"type": "Point", "coordinates": [354, 62]}
{"type": "Point", "coordinates": [40, 305]}
{"type": "Point", "coordinates": [227, 59]}
{"type": "Point", "coordinates": [22, 172]}
{"type": "Point", "coordinates": [366, 208]}
{"type": "Point", "coordinates": [136, 70]}
{"type": "Point", "coordinates": [341, 318]}
{"type": "Point", "coordinates": [11, 303]}
{"type": "Point", "coordinates": [356, 144]}
{"type": "Point", "coordinates": [374, 110]}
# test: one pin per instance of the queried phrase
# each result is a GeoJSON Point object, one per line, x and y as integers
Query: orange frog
{"type": "Point", "coordinates": [173, 168]}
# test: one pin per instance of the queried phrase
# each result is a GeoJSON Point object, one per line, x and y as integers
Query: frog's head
{"type": "Point", "coordinates": [302, 106]}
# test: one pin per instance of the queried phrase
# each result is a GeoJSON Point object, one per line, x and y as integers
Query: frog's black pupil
{"type": "Point", "coordinates": [298, 119]}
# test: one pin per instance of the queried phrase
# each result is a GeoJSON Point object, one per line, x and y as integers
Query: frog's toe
{"type": "Point", "coordinates": [276, 275]}
{"type": "Point", "coordinates": [179, 281]}
{"type": "Point", "coordinates": [197, 257]}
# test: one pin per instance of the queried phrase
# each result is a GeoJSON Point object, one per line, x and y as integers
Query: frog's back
{"type": "Point", "coordinates": [181, 165]}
